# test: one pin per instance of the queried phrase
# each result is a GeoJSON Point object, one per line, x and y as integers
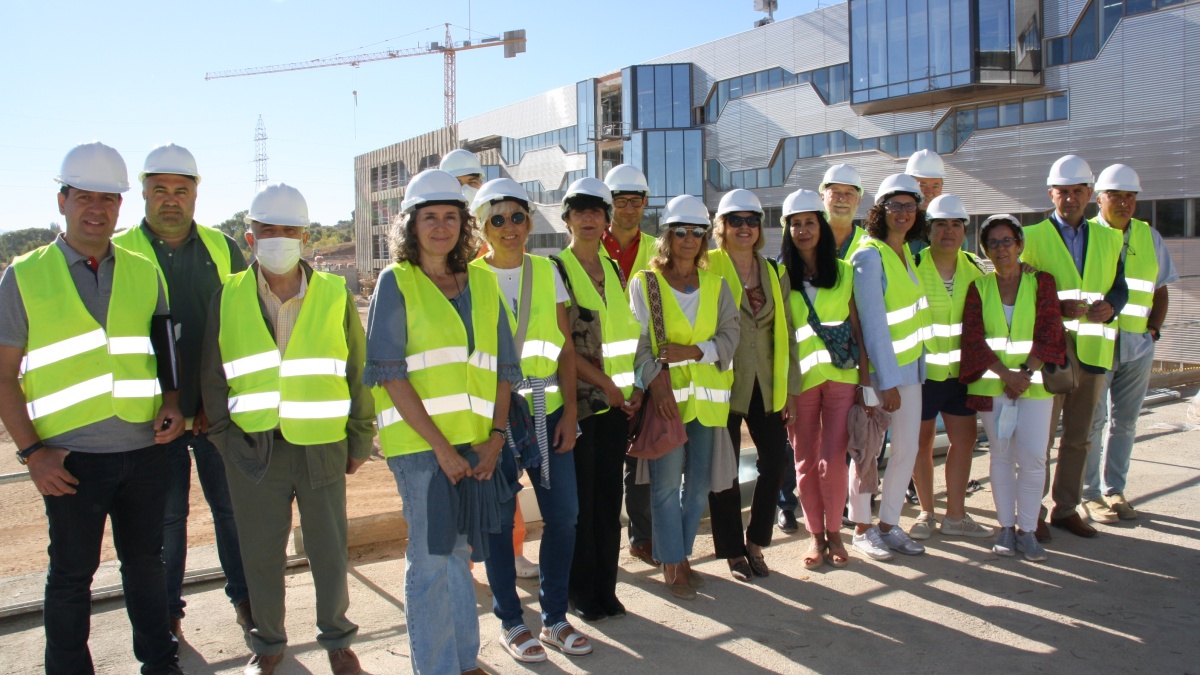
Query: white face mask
{"type": "Point", "coordinates": [277, 254]}
{"type": "Point", "coordinates": [469, 192]}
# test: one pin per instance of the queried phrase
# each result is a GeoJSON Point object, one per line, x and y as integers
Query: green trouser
{"type": "Point", "coordinates": [263, 512]}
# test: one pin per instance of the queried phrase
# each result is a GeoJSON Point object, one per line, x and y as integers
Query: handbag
{"type": "Point", "coordinates": [839, 340]}
{"type": "Point", "coordinates": [1062, 379]}
{"type": "Point", "coordinates": [650, 435]}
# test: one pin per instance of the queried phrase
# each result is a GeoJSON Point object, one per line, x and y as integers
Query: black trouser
{"type": "Point", "coordinates": [725, 507]}
{"type": "Point", "coordinates": [599, 457]}
{"type": "Point", "coordinates": [131, 488]}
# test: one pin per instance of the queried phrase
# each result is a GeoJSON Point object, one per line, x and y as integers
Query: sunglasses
{"type": "Point", "coordinates": [993, 244]}
{"type": "Point", "coordinates": [498, 220]}
{"type": "Point", "coordinates": [683, 232]}
{"type": "Point", "coordinates": [899, 207]}
{"type": "Point", "coordinates": [743, 221]}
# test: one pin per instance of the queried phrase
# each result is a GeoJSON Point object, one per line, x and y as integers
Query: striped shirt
{"type": "Point", "coordinates": [283, 315]}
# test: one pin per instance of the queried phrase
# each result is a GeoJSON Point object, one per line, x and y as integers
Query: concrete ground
{"type": "Point", "coordinates": [1126, 601]}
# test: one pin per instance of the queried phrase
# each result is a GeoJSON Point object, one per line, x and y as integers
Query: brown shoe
{"type": "Point", "coordinates": [262, 664]}
{"type": "Point", "coordinates": [177, 627]}
{"type": "Point", "coordinates": [1042, 533]}
{"type": "Point", "coordinates": [1075, 525]}
{"type": "Point", "coordinates": [676, 578]}
{"type": "Point", "coordinates": [644, 552]}
{"type": "Point", "coordinates": [344, 662]}
{"type": "Point", "coordinates": [693, 577]}
{"type": "Point", "coordinates": [245, 618]}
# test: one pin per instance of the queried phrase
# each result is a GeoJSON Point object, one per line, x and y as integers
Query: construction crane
{"type": "Point", "coordinates": [513, 41]}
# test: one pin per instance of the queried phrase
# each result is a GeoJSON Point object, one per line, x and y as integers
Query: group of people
{"type": "Point", "coordinates": [481, 363]}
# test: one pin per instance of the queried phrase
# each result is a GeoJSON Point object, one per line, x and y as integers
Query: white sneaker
{"type": "Point", "coordinates": [870, 544]}
{"type": "Point", "coordinates": [923, 528]}
{"type": "Point", "coordinates": [965, 528]}
{"type": "Point", "coordinates": [525, 568]}
{"type": "Point", "coordinates": [896, 540]}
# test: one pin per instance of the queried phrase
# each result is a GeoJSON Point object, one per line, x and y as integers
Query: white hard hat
{"type": "Point", "coordinates": [499, 189]}
{"type": "Point", "coordinates": [279, 204]}
{"type": "Point", "coordinates": [843, 174]}
{"type": "Point", "coordinates": [1007, 219]}
{"type": "Point", "coordinates": [94, 167]}
{"type": "Point", "coordinates": [1070, 170]}
{"type": "Point", "coordinates": [685, 210]}
{"type": "Point", "coordinates": [461, 163]}
{"type": "Point", "coordinates": [739, 200]}
{"type": "Point", "coordinates": [899, 183]}
{"type": "Point", "coordinates": [801, 201]}
{"type": "Point", "coordinates": [925, 164]}
{"type": "Point", "coordinates": [170, 158]}
{"type": "Point", "coordinates": [432, 185]}
{"type": "Point", "coordinates": [946, 206]}
{"type": "Point", "coordinates": [626, 178]}
{"type": "Point", "coordinates": [1119, 177]}
{"type": "Point", "coordinates": [592, 187]}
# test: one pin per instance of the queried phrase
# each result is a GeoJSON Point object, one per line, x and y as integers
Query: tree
{"type": "Point", "coordinates": [18, 242]}
{"type": "Point", "coordinates": [236, 228]}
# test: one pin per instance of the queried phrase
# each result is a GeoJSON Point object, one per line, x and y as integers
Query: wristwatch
{"type": "Point", "coordinates": [23, 455]}
{"type": "Point", "coordinates": [1026, 369]}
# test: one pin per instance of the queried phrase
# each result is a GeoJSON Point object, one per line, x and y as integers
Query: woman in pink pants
{"type": "Point", "coordinates": [825, 323]}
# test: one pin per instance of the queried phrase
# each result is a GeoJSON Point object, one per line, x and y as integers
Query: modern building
{"type": "Point", "coordinates": [1000, 88]}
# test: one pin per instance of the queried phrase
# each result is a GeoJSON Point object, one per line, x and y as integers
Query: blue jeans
{"type": "Point", "coordinates": [439, 591]}
{"type": "Point", "coordinates": [676, 511]}
{"type": "Point", "coordinates": [210, 468]}
{"type": "Point", "coordinates": [1123, 391]}
{"type": "Point", "coordinates": [787, 492]}
{"type": "Point", "coordinates": [129, 488]}
{"type": "Point", "coordinates": [560, 508]}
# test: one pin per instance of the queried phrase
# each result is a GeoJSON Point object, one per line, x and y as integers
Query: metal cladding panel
{"type": "Point", "coordinates": [1058, 16]}
{"type": "Point", "coordinates": [547, 165]}
{"type": "Point", "coordinates": [554, 109]}
{"type": "Point", "coordinates": [1179, 343]}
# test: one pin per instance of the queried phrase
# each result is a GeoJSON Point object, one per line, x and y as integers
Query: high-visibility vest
{"type": "Point", "coordinates": [858, 237]}
{"type": "Point", "coordinates": [74, 372]}
{"type": "Point", "coordinates": [135, 239]}
{"type": "Point", "coordinates": [1010, 344]}
{"type": "Point", "coordinates": [618, 326]}
{"type": "Point", "coordinates": [304, 391]}
{"type": "Point", "coordinates": [701, 390]}
{"type": "Point", "coordinates": [833, 306]}
{"type": "Point", "coordinates": [909, 321]}
{"type": "Point", "coordinates": [1141, 274]}
{"type": "Point", "coordinates": [646, 247]}
{"type": "Point", "coordinates": [720, 263]}
{"type": "Point", "coordinates": [1045, 250]}
{"type": "Point", "coordinates": [543, 339]}
{"type": "Point", "coordinates": [945, 310]}
{"type": "Point", "coordinates": [457, 388]}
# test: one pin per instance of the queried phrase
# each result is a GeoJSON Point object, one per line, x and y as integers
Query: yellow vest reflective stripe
{"type": "Point", "coordinates": [908, 318]}
{"type": "Point", "coordinates": [1011, 344]}
{"type": "Point", "coordinates": [619, 327]}
{"type": "Point", "coordinates": [304, 391]}
{"type": "Point", "coordinates": [833, 306]}
{"type": "Point", "coordinates": [941, 363]}
{"type": "Point", "coordinates": [701, 390]}
{"type": "Point", "coordinates": [74, 372]}
{"type": "Point", "coordinates": [543, 339]}
{"type": "Point", "coordinates": [1141, 274]}
{"type": "Point", "coordinates": [1045, 250]}
{"type": "Point", "coordinates": [720, 263]}
{"type": "Point", "coordinates": [457, 388]}
{"type": "Point", "coordinates": [135, 239]}
{"type": "Point", "coordinates": [646, 247]}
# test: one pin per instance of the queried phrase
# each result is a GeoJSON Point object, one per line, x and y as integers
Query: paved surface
{"type": "Point", "coordinates": [1126, 601]}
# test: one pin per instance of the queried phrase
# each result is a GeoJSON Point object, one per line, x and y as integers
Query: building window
{"type": "Point", "coordinates": [1096, 23]}
{"type": "Point", "coordinates": [664, 96]}
{"type": "Point", "coordinates": [513, 150]}
{"type": "Point", "coordinates": [832, 83]}
{"type": "Point", "coordinates": [1170, 217]}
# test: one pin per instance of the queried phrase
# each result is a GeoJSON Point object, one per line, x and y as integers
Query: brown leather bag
{"type": "Point", "coordinates": [1062, 379]}
{"type": "Point", "coordinates": [650, 435]}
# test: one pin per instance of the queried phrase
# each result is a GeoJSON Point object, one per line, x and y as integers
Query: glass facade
{"type": "Point", "coordinates": [514, 149]}
{"type": "Point", "coordinates": [662, 96]}
{"type": "Point", "coordinates": [1096, 23]}
{"type": "Point", "coordinates": [672, 161]}
{"type": "Point", "coordinates": [831, 83]}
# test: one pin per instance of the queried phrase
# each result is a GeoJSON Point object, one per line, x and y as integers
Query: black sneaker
{"type": "Point", "coordinates": [786, 520]}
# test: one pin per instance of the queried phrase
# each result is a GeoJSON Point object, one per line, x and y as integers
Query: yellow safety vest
{"type": "Point", "coordinates": [74, 372]}
{"type": "Point", "coordinates": [857, 238]}
{"type": "Point", "coordinates": [833, 306]}
{"type": "Point", "coordinates": [720, 263]}
{"type": "Point", "coordinates": [619, 327]}
{"type": "Point", "coordinates": [909, 321]}
{"type": "Point", "coordinates": [941, 363]}
{"type": "Point", "coordinates": [457, 388]}
{"type": "Point", "coordinates": [543, 339]}
{"type": "Point", "coordinates": [1010, 344]}
{"type": "Point", "coordinates": [1141, 274]}
{"type": "Point", "coordinates": [136, 240]}
{"type": "Point", "coordinates": [1045, 250]}
{"type": "Point", "coordinates": [701, 390]}
{"type": "Point", "coordinates": [646, 247]}
{"type": "Point", "coordinates": [304, 393]}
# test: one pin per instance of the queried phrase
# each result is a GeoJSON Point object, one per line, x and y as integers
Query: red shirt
{"type": "Point", "coordinates": [624, 258]}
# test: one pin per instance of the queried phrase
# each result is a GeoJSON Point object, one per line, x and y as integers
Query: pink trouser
{"type": "Point", "coordinates": [819, 437]}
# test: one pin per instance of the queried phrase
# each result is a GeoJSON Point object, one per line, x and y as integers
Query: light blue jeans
{"type": "Point", "coordinates": [675, 510]}
{"type": "Point", "coordinates": [439, 591]}
{"type": "Point", "coordinates": [1115, 421]}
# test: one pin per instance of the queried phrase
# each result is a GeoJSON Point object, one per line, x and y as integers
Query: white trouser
{"type": "Point", "coordinates": [1018, 465]}
{"type": "Point", "coordinates": [904, 433]}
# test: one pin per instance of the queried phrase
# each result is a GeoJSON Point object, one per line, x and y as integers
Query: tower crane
{"type": "Point", "coordinates": [513, 41]}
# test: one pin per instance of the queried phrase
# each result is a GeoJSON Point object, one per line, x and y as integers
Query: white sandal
{"type": "Point", "coordinates": [520, 652]}
{"type": "Point", "coordinates": [569, 645]}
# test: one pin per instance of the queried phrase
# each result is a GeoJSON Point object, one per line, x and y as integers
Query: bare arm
{"type": "Point", "coordinates": [46, 465]}
{"type": "Point", "coordinates": [564, 433]}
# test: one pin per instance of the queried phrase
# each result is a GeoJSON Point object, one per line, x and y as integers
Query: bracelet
{"type": "Point", "coordinates": [497, 430]}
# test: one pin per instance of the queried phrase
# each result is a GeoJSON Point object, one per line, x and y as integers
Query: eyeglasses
{"type": "Point", "coordinates": [993, 244]}
{"type": "Point", "coordinates": [498, 220]}
{"type": "Point", "coordinates": [900, 207]}
{"type": "Point", "coordinates": [743, 221]}
{"type": "Point", "coordinates": [683, 232]}
{"type": "Point", "coordinates": [635, 202]}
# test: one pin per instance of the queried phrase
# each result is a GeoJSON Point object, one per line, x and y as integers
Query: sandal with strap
{"type": "Point", "coordinates": [521, 651]}
{"type": "Point", "coordinates": [835, 551]}
{"type": "Point", "coordinates": [812, 558]}
{"type": "Point", "coordinates": [563, 637]}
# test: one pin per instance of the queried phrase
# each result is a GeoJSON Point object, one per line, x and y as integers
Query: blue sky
{"type": "Point", "coordinates": [131, 74]}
